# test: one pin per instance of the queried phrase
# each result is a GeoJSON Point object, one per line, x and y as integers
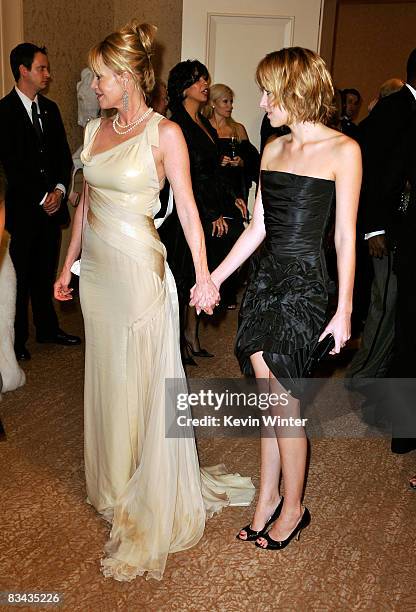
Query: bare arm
{"type": "Point", "coordinates": [250, 239]}
{"type": "Point", "coordinates": [347, 183]}
{"type": "Point", "coordinates": [62, 291]}
{"type": "Point", "coordinates": [245, 246]}
{"type": "Point", "coordinates": [176, 165]}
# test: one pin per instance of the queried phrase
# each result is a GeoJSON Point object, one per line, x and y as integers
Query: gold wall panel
{"type": "Point", "coordinates": [167, 16]}
{"type": "Point", "coordinates": [68, 29]}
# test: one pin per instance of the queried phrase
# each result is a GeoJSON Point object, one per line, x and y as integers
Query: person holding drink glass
{"type": "Point", "coordinates": [239, 168]}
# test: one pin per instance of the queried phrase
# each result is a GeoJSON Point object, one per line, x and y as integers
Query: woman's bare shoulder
{"type": "Point", "coordinates": [341, 153]}
{"type": "Point", "coordinates": [169, 130]}
{"type": "Point", "coordinates": [337, 140]}
{"type": "Point", "coordinates": [273, 149]}
{"type": "Point", "coordinates": [346, 151]}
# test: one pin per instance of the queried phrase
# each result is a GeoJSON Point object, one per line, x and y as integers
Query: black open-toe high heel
{"type": "Point", "coordinates": [200, 353]}
{"type": "Point", "coordinates": [253, 535]}
{"type": "Point", "coordinates": [276, 545]}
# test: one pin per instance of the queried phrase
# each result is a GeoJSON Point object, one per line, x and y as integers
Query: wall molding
{"type": "Point", "coordinates": [213, 17]}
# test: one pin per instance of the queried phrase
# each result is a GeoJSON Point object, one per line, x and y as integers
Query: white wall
{"type": "Point", "coordinates": [231, 36]}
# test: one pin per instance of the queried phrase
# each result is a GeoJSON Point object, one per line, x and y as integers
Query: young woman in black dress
{"type": "Point", "coordinates": [283, 314]}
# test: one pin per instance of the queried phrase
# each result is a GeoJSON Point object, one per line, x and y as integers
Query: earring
{"type": "Point", "coordinates": [125, 99]}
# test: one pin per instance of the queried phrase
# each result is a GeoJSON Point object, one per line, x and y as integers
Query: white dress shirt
{"type": "Point", "coordinates": [27, 103]}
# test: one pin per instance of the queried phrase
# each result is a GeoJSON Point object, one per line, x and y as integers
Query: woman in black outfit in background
{"type": "Point", "coordinates": [188, 92]}
{"type": "Point", "coordinates": [239, 168]}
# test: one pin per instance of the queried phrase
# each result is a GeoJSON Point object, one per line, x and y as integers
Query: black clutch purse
{"type": "Point", "coordinates": [320, 351]}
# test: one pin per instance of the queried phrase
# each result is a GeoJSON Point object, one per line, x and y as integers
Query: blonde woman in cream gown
{"type": "Point", "coordinates": [148, 485]}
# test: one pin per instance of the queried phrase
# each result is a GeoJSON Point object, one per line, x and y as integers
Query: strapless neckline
{"type": "Point", "coordinates": [316, 178]}
{"type": "Point", "coordinates": [284, 308]}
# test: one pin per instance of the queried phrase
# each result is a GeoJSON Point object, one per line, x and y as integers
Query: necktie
{"type": "Point", "coordinates": [36, 122]}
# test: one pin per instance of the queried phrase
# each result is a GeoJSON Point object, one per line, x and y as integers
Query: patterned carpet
{"type": "Point", "coordinates": [358, 553]}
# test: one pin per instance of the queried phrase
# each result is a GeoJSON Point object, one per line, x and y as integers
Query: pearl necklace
{"type": "Point", "coordinates": [125, 129]}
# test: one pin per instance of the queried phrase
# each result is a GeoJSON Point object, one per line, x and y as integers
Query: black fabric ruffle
{"type": "Point", "coordinates": [285, 304]}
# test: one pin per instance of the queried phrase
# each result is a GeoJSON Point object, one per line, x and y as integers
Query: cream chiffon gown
{"type": "Point", "coordinates": [148, 485]}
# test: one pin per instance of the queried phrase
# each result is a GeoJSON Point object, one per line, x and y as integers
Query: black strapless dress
{"type": "Point", "coordinates": [285, 304]}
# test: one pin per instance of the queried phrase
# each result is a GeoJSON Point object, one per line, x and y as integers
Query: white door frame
{"type": "Point", "coordinates": [246, 8]}
{"type": "Point", "coordinates": [210, 24]}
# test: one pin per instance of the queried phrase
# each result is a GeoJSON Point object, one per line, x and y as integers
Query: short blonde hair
{"type": "Point", "coordinates": [299, 82]}
{"type": "Point", "coordinates": [128, 50]}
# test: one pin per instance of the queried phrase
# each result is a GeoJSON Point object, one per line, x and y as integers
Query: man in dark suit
{"type": "Point", "coordinates": [387, 148]}
{"type": "Point", "coordinates": [37, 161]}
{"type": "Point", "coordinates": [402, 392]}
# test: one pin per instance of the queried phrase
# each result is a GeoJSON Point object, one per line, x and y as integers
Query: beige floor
{"type": "Point", "coordinates": [358, 553]}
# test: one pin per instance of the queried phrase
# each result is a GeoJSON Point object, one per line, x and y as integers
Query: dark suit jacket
{"type": "Point", "coordinates": [404, 362]}
{"type": "Point", "coordinates": [30, 173]}
{"type": "Point", "coordinates": [386, 143]}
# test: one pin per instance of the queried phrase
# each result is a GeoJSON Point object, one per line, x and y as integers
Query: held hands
{"type": "Point", "coordinates": [61, 289]}
{"type": "Point", "coordinates": [53, 202]}
{"type": "Point", "coordinates": [219, 227]}
{"type": "Point", "coordinates": [340, 328]}
{"type": "Point", "coordinates": [204, 296]}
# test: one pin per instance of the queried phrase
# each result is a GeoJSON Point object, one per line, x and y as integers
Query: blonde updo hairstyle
{"type": "Point", "coordinates": [299, 82]}
{"type": "Point", "coordinates": [217, 91]}
{"type": "Point", "coordinates": [128, 50]}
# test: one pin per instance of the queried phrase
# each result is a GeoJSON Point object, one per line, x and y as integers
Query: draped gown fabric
{"type": "Point", "coordinates": [285, 305]}
{"type": "Point", "coordinates": [148, 485]}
